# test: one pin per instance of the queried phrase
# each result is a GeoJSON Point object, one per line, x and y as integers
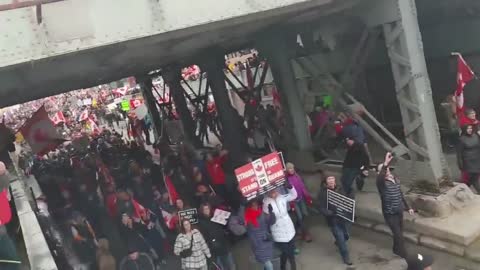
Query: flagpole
{"type": "Point", "coordinates": [460, 55]}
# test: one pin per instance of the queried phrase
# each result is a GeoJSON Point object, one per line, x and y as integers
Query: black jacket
{"type": "Point", "coordinates": [356, 157]}
{"type": "Point", "coordinates": [329, 214]}
{"type": "Point", "coordinates": [214, 235]}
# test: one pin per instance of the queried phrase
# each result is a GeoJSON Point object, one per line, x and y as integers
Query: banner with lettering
{"type": "Point", "coordinates": [261, 175]}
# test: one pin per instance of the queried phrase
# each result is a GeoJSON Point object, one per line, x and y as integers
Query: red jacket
{"type": "Point", "coordinates": [215, 170]}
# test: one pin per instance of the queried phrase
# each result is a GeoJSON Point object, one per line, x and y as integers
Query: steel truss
{"type": "Point", "coordinates": [413, 90]}
{"type": "Point", "coordinates": [345, 101]}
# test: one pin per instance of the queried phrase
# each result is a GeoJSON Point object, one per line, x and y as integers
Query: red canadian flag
{"type": "Point", "coordinates": [83, 116]}
{"type": "Point", "coordinates": [58, 118]}
{"type": "Point", "coordinates": [40, 133]}
{"type": "Point", "coordinates": [464, 75]}
{"type": "Point", "coordinates": [122, 91]}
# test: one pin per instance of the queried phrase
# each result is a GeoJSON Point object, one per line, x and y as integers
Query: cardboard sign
{"type": "Point", "coordinates": [190, 214]}
{"type": "Point", "coordinates": [221, 216]}
{"type": "Point", "coordinates": [261, 175]}
{"type": "Point", "coordinates": [343, 205]}
{"type": "Point", "coordinates": [87, 101]}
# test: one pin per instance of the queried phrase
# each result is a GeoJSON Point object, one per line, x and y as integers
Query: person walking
{"type": "Point", "coordinates": [355, 161]}
{"type": "Point", "coordinates": [136, 260]}
{"type": "Point", "coordinates": [283, 230]}
{"type": "Point", "coordinates": [393, 204]}
{"type": "Point", "coordinates": [300, 203]}
{"type": "Point", "coordinates": [337, 225]}
{"type": "Point", "coordinates": [468, 155]}
{"type": "Point", "coordinates": [258, 231]}
{"type": "Point", "coordinates": [215, 237]}
{"type": "Point", "coordinates": [191, 247]}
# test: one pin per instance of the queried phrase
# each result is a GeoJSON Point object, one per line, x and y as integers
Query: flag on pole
{"type": "Point", "coordinates": [464, 75]}
{"type": "Point", "coordinates": [94, 127]}
{"type": "Point", "coordinates": [40, 133]}
{"type": "Point", "coordinates": [58, 118]}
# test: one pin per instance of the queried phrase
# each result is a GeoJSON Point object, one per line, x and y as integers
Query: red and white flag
{"type": "Point", "coordinates": [122, 91]}
{"type": "Point", "coordinates": [40, 133]}
{"type": "Point", "coordinates": [58, 118]}
{"type": "Point", "coordinates": [464, 75]}
{"type": "Point", "coordinates": [94, 127]}
{"type": "Point", "coordinates": [83, 116]}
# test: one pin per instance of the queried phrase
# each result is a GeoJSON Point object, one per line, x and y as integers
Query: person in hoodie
{"type": "Point", "coordinates": [337, 225]}
{"type": "Point", "coordinates": [355, 163]}
{"type": "Point", "coordinates": [283, 230]}
{"type": "Point", "coordinates": [216, 239]}
{"type": "Point", "coordinates": [300, 203]}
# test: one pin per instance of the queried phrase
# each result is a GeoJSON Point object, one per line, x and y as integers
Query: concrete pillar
{"type": "Point", "coordinates": [279, 54]}
{"type": "Point", "coordinates": [414, 95]}
{"type": "Point", "coordinates": [146, 87]}
{"type": "Point", "coordinates": [172, 77]}
{"type": "Point", "coordinates": [231, 122]}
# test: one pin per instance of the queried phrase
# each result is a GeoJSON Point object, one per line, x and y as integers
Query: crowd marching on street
{"type": "Point", "coordinates": [127, 201]}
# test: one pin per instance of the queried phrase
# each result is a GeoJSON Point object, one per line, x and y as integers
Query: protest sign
{"type": "Point", "coordinates": [190, 214]}
{"type": "Point", "coordinates": [220, 216]}
{"type": "Point", "coordinates": [343, 206]}
{"type": "Point", "coordinates": [125, 105]}
{"type": "Point", "coordinates": [261, 175]}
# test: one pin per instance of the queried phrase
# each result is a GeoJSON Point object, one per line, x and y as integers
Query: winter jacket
{"type": "Point", "coordinates": [215, 170]}
{"type": "Point", "coordinates": [200, 250]}
{"type": "Point", "coordinates": [356, 157]}
{"type": "Point", "coordinates": [283, 230]}
{"type": "Point", "coordinates": [144, 262]}
{"type": "Point", "coordinates": [468, 153]}
{"type": "Point", "coordinates": [260, 240]}
{"type": "Point", "coordinates": [214, 235]}
{"type": "Point", "coordinates": [329, 214]}
{"type": "Point", "coordinates": [105, 260]}
{"type": "Point", "coordinates": [296, 181]}
{"type": "Point", "coordinates": [354, 131]}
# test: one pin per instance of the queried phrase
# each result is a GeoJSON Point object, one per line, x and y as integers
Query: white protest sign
{"type": "Point", "coordinates": [141, 111]}
{"type": "Point", "coordinates": [220, 216]}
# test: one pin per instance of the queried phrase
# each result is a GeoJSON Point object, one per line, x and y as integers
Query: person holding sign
{"type": "Point", "coordinates": [336, 224]}
{"type": "Point", "coordinates": [393, 204]}
{"type": "Point", "coordinates": [283, 230]}
{"type": "Point", "coordinates": [191, 247]}
{"type": "Point", "coordinates": [216, 239]}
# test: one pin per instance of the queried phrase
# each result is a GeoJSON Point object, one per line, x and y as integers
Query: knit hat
{"type": "Point", "coordinates": [418, 261]}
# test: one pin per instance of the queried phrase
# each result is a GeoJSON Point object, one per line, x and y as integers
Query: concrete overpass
{"type": "Point", "coordinates": [73, 44]}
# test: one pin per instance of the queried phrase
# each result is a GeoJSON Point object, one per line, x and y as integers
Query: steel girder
{"type": "Point", "coordinates": [413, 90]}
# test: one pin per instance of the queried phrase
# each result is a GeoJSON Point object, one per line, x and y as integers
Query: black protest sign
{"type": "Point", "coordinates": [189, 214]}
{"type": "Point", "coordinates": [343, 206]}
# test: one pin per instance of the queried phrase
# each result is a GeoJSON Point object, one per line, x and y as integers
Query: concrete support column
{"type": "Point", "coordinates": [274, 46]}
{"type": "Point", "coordinates": [231, 122]}
{"type": "Point", "coordinates": [414, 95]}
{"type": "Point", "coordinates": [146, 87]}
{"type": "Point", "coordinates": [172, 77]}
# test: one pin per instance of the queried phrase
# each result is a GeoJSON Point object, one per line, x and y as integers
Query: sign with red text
{"type": "Point", "coordinates": [261, 175]}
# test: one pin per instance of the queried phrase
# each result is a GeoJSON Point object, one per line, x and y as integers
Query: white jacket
{"type": "Point", "coordinates": [283, 230]}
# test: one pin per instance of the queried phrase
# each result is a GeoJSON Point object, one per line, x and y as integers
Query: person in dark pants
{"type": "Point", "coordinates": [336, 224]}
{"type": "Point", "coordinates": [393, 204]}
{"type": "Point", "coordinates": [356, 158]}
